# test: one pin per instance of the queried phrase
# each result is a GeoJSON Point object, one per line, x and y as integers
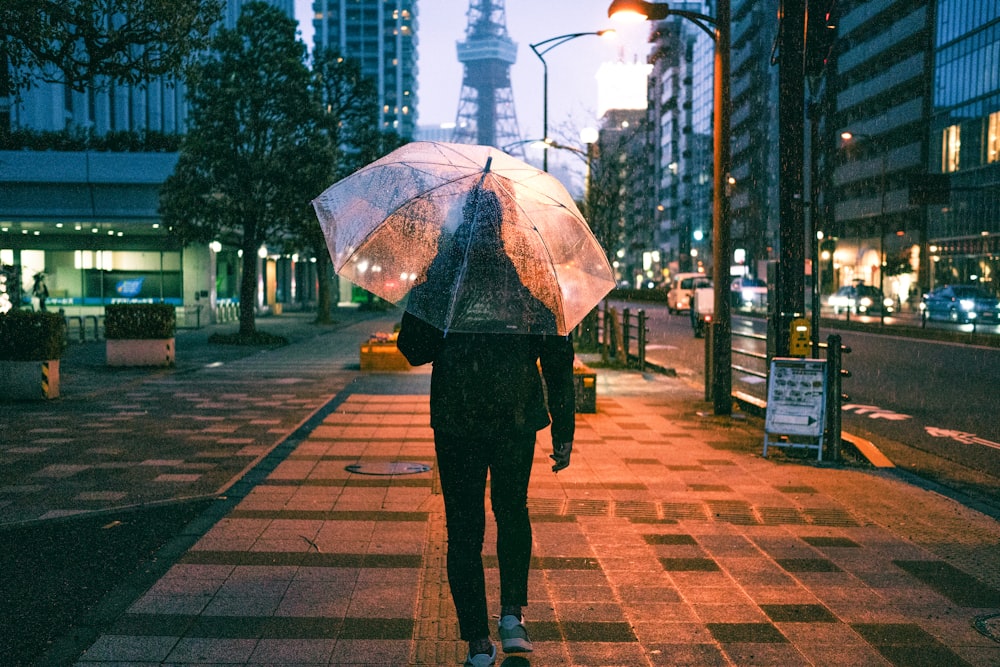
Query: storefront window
{"type": "Point", "coordinates": [100, 277]}
{"type": "Point", "coordinates": [993, 137]}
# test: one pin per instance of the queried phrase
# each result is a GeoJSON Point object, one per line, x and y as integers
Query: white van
{"type": "Point", "coordinates": [679, 294]}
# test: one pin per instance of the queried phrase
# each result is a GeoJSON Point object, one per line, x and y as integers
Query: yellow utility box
{"type": "Point", "coordinates": [800, 338]}
{"type": "Point", "coordinates": [380, 353]}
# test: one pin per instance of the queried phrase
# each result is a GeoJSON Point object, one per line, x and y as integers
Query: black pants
{"type": "Point", "coordinates": [463, 464]}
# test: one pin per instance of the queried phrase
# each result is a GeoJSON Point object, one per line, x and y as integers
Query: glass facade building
{"type": "Point", "coordinates": [681, 124]}
{"type": "Point", "coordinates": [382, 36]}
{"type": "Point", "coordinates": [965, 143]}
{"type": "Point", "coordinates": [754, 210]}
{"type": "Point", "coordinates": [878, 91]}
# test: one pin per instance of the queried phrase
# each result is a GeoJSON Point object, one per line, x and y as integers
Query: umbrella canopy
{"type": "Point", "coordinates": [470, 238]}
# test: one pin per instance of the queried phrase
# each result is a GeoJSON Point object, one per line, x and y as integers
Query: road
{"type": "Point", "coordinates": [930, 405]}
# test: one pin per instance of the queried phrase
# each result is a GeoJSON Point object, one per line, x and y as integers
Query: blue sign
{"type": "Point", "coordinates": [130, 287]}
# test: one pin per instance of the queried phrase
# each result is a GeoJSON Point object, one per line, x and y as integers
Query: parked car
{"type": "Point", "coordinates": [860, 299]}
{"type": "Point", "coordinates": [961, 303]}
{"type": "Point", "coordinates": [679, 294]}
{"type": "Point", "coordinates": [748, 294]}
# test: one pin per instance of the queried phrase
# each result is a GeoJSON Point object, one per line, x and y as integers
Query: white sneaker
{"type": "Point", "coordinates": [481, 659]}
{"type": "Point", "coordinates": [513, 636]}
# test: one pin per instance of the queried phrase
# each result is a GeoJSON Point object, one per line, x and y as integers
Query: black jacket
{"type": "Point", "coordinates": [486, 383]}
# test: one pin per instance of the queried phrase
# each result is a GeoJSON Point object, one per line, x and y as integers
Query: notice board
{"type": "Point", "coordinates": [796, 403]}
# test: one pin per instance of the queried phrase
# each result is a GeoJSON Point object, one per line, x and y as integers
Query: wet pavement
{"type": "Point", "coordinates": [668, 541]}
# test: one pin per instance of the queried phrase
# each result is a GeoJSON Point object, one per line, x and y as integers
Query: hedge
{"type": "Point", "coordinates": [139, 321]}
{"type": "Point", "coordinates": [31, 336]}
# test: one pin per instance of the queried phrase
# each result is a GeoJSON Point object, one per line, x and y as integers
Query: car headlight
{"type": "Point", "coordinates": [866, 302]}
{"type": "Point", "coordinates": [887, 302]}
{"type": "Point", "coordinates": [967, 304]}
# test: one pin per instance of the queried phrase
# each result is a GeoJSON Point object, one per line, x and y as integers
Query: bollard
{"type": "Point", "coordinates": [605, 334]}
{"type": "Point", "coordinates": [835, 398]}
{"type": "Point", "coordinates": [627, 333]}
{"type": "Point", "coordinates": [642, 341]}
{"type": "Point", "coordinates": [709, 347]}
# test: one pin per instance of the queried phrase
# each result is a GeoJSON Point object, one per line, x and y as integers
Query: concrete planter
{"type": "Point", "coordinates": [382, 356]}
{"type": "Point", "coordinates": [135, 352]}
{"type": "Point", "coordinates": [29, 380]}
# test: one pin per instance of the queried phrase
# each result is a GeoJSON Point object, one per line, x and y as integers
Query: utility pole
{"type": "Point", "coordinates": [791, 151]}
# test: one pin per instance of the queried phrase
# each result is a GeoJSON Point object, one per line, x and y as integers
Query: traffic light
{"type": "Point", "coordinates": [821, 31]}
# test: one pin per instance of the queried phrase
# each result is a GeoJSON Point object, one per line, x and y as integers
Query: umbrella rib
{"type": "Point", "coordinates": [407, 200]}
{"type": "Point", "coordinates": [468, 246]}
{"type": "Point", "coordinates": [561, 301]}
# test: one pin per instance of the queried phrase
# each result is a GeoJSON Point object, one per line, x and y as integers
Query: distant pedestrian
{"type": "Point", "coordinates": [40, 290]}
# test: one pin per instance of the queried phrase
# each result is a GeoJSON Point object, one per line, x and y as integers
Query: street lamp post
{"type": "Point", "coordinates": [722, 335]}
{"type": "Point", "coordinates": [849, 136]}
{"type": "Point", "coordinates": [550, 44]}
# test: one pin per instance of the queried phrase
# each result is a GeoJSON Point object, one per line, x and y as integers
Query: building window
{"type": "Point", "coordinates": [951, 143]}
{"type": "Point", "coordinates": [993, 137]}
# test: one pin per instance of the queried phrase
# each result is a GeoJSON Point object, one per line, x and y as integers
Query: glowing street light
{"type": "Point", "coordinates": [550, 44]}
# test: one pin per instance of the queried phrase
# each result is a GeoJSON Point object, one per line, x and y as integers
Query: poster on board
{"type": "Point", "coordinates": [796, 397]}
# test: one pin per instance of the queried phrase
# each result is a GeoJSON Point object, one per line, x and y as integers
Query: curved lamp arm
{"type": "Point", "coordinates": [550, 44]}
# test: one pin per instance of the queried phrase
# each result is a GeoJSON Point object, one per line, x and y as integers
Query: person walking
{"type": "Point", "coordinates": [486, 404]}
{"type": "Point", "coordinates": [40, 290]}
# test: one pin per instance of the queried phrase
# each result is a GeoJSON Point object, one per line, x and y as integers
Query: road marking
{"type": "Point", "coordinates": [960, 436]}
{"type": "Point", "coordinates": [874, 412]}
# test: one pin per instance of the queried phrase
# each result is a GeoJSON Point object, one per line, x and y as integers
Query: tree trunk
{"type": "Point", "coordinates": [324, 288]}
{"type": "Point", "coordinates": [248, 292]}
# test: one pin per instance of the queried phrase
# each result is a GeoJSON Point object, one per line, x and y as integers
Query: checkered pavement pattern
{"type": "Point", "coordinates": [668, 541]}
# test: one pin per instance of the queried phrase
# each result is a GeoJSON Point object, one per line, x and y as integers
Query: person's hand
{"type": "Point", "coordinates": [560, 454]}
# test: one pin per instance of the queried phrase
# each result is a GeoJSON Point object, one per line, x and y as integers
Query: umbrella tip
{"type": "Point", "coordinates": [489, 161]}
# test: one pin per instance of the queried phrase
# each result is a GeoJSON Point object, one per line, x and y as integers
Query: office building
{"type": "Point", "coordinates": [680, 131]}
{"type": "Point", "coordinates": [382, 36]}
{"type": "Point", "coordinates": [89, 219]}
{"type": "Point", "coordinates": [964, 227]}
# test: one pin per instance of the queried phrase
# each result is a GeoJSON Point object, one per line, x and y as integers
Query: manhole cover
{"type": "Point", "coordinates": [989, 626]}
{"type": "Point", "coordinates": [401, 468]}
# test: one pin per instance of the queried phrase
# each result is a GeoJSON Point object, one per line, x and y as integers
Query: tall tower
{"type": "Point", "coordinates": [486, 106]}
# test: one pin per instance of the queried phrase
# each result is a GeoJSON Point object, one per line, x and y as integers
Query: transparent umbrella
{"type": "Point", "coordinates": [469, 238]}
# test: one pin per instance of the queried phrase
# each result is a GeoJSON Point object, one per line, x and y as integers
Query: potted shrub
{"type": "Point", "coordinates": [140, 334]}
{"type": "Point", "coordinates": [31, 345]}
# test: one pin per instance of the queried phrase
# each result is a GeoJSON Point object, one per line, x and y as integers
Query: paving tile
{"type": "Point", "coordinates": [798, 613]}
{"type": "Point", "coordinates": [745, 633]}
{"type": "Point", "coordinates": [688, 655]}
{"type": "Point", "coordinates": [597, 631]}
{"type": "Point", "coordinates": [807, 565]}
{"type": "Point", "coordinates": [689, 564]}
{"type": "Point", "coordinates": [219, 651]}
{"type": "Point", "coordinates": [124, 649]}
{"type": "Point", "coordinates": [958, 586]}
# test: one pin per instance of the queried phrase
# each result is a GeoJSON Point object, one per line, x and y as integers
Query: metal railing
{"type": "Point", "coordinates": [227, 312]}
{"type": "Point", "coordinates": [636, 332]}
{"type": "Point", "coordinates": [80, 322]}
{"type": "Point", "coordinates": [616, 334]}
